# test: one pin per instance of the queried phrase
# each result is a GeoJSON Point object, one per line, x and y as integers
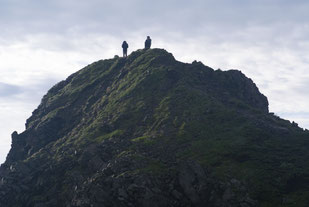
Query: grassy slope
{"type": "Point", "coordinates": [165, 106]}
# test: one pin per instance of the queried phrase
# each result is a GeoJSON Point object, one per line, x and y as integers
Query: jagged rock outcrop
{"type": "Point", "coordinates": [151, 131]}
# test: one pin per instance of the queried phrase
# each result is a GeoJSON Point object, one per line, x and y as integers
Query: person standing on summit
{"type": "Point", "coordinates": [125, 48]}
{"type": "Point", "coordinates": [148, 43]}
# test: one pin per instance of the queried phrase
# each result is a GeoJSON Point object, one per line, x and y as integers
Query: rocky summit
{"type": "Point", "coordinates": [151, 131]}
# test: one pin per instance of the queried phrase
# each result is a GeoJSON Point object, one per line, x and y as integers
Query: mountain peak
{"type": "Point", "coordinates": [148, 130]}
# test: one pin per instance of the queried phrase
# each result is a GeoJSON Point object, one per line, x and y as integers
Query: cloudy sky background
{"type": "Point", "coordinates": [42, 42]}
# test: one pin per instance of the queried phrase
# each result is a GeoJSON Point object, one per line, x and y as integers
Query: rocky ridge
{"type": "Point", "coordinates": [151, 131]}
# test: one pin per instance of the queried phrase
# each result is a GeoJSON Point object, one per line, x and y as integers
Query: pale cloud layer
{"type": "Point", "coordinates": [42, 42]}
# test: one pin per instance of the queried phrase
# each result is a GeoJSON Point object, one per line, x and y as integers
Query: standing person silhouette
{"type": "Point", "coordinates": [125, 48]}
{"type": "Point", "coordinates": [148, 43]}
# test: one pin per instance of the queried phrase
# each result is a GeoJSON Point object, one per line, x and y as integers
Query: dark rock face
{"type": "Point", "coordinates": [151, 131]}
{"type": "Point", "coordinates": [244, 89]}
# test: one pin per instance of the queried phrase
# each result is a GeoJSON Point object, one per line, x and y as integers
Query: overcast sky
{"type": "Point", "coordinates": [42, 42]}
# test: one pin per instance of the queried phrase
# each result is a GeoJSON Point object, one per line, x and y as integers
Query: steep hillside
{"type": "Point", "coordinates": [148, 130]}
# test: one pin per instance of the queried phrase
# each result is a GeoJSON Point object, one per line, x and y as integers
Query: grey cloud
{"type": "Point", "coordinates": [301, 114]}
{"type": "Point", "coordinates": [33, 93]}
{"type": "Point", "coordinates": [302, 87]}
{"type": "Point", "coordinates": [121, 17]}
{"type": "Point", "coordinates": [7, 90]}
{"type": "Point", "coordinates": [28, 92]}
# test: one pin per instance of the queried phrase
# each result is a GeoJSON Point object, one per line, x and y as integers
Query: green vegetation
{"type": "Point", "coordinates": [151, 111]}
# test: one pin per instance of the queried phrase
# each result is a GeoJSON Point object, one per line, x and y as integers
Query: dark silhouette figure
{"type": "Point", "coordinates": [148, 43]}
{"type": "Point", "coordinates": [125, 48]}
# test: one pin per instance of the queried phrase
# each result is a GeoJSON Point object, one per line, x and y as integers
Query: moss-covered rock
{"type": "Point", "coordinates": [148, 130]}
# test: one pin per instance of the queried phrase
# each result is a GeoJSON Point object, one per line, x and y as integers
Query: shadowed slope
{"type": "Point", "coordinates": [151, 131]}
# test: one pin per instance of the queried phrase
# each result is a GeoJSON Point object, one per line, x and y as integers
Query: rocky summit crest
{"type": "Point", "coordinates": [148, 130]}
